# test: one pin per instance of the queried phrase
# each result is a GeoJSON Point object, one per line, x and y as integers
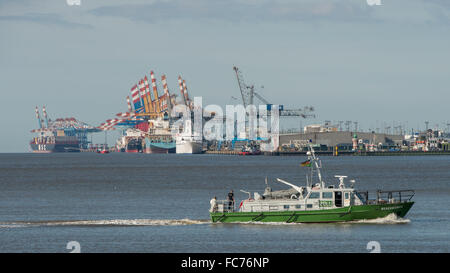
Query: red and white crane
{"type": "Point", "coordinates": [155, 92]}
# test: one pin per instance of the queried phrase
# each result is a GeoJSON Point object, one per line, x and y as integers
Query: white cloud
{"type": "Point", "coordinates": [239, 10]}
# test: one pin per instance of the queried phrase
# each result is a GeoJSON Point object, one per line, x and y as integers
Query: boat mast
{"type": "Point", "coordinates": [315, 167]}
{"type": "Point", "coordinates": [106, 140]}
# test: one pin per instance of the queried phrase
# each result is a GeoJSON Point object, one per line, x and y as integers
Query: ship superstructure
{"type": "Point", "coordinates": [189, 141]}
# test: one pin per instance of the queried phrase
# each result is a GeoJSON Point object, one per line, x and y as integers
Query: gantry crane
{"type": "Point", "coordinates": [248, 94]}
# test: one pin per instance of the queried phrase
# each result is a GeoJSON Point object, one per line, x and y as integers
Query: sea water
{"type": "Point", "coordinates": [159, 203]}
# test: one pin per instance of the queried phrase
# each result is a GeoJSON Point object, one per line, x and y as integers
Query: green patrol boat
{"type": "Point", "coordinates": [315, 203]}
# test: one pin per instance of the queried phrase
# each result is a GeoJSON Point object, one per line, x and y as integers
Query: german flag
{"type": "Point", "coordinates": [306, 163]}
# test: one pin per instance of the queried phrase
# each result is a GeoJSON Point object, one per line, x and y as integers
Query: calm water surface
{"type": "Point", "coordinates": [159, 203]}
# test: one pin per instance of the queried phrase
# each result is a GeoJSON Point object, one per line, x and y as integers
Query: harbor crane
{"type": "Point", "coordinates": [248, 94]}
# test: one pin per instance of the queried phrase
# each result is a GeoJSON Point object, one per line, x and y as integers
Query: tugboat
{"type": "Point", "coordinates": [315, 203]}
{"type": "Point", "coordinates": [104, 150]}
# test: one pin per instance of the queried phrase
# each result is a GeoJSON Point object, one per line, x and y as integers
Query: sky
{"type": "Point", "coordinates": [375, 64]}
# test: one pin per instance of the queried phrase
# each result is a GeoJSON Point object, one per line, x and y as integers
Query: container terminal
{"type": "Point", "coordinates": [146, 127]}
{"type": "Point", "coordinates": [60, 135]}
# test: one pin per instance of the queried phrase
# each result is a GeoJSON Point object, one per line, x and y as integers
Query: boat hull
{"type": "Point", "coordinates": [352, 213]}
{"type": "Point", "coordinates": [132, 151]}
{"type": "Point", "coordinates": [161, 148]}
{"type": "Point", "coordinates": [55, 148]}
{"type": "Point", "coordinates": [250, 153]}
{"type": "Point", "coordinates": [189, 147]}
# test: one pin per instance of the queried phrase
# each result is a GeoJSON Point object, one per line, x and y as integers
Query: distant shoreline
{"type": "Point", "coordinates": [387, 153]}
{"type": "Point", "coordinates": [321, 153]}
{"type": "Point", "coordinates": [343, 153]}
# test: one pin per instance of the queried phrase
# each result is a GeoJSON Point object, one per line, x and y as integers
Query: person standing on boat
{"type": "Point", "coordinates": [213, 203]}
{"type": "Point", "coordinates": [230, 198]}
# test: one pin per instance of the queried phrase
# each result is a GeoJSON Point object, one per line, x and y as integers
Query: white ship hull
{"type": "Point", "coordinates": [189, 147]}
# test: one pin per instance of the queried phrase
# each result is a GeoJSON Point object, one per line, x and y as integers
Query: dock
{"type": "Point", "coordinates": [342, 153]}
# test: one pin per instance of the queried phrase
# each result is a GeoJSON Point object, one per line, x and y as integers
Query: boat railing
{"type": "Point", "coordinates": [281, 197]}
{"type": "Point", "coordinates": [387, 197]}
{"type": "Point", "coordinates": [224, 206]}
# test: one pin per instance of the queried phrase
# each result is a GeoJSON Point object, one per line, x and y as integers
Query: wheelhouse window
{"type": "Point", "coordinates": [309, 206]}
{"type": "Point", "coordinates": [314, 195]}
{"type": "Point", "coordinates": [347, 195]}
{"type": "Point", "coordinates": [286, 206]}
{"type": "Point", "coordinates": [298, 206]}
{"type": "Point", "coordinates": [327, 195]}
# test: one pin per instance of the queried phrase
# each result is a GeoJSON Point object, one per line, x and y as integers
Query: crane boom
{"type": "Point", "coordinates": [248, 93]}
{"type": "Point", "coordinates": [261, 98]}
{"type": "Point", "coordinates": [38, 118]}
{"type": "Point", "coordinates": [44, 113]}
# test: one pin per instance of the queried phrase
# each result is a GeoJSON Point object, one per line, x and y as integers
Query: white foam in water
{"type": "Point", "coordinates": [135, 222]}
{"type": "Point", "coordinates": [117, 222]}
{"type": "Point", "coordinates": [5, 225]}
{"type": "Point", "coordinates": [389, 219]}
{"type": "Point", "coordinates": [267, 223]}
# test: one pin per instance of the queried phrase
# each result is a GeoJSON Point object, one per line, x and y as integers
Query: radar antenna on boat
{"type": "Point", "coordinates": [341, 180]}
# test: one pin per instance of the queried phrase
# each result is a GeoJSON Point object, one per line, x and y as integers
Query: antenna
{"type": "Point", "coordinates": [341, 180]}
{"type": "Point", "coordinates": [315, 163]}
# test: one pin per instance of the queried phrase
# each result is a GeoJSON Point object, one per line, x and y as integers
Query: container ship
{"type": "Point", "coordinates": [147, 126]}
{"type": "Point", "coordinates": [159, 146]}
{"type": "Point", "coordinates": [60, 135]}
{"type": "Point", "coordinates": [159, 139]}
{"type": "Point", "coordinates": [131, 141]}
{"type": "Point", "coordinates": [54, 142]}
{"type": "Point", "coordinates": [154, 139]}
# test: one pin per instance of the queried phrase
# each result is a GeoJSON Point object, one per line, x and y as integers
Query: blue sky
{"type": "Point", "coordinates": [349, 60]}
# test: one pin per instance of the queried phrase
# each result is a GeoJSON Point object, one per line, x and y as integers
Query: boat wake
{"type": "Point", "coordinates": [117, 222]}
{"type": "Point", "coordinates": [389, 219]}
{"type": "Point", "coordinates": [267, 223]}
